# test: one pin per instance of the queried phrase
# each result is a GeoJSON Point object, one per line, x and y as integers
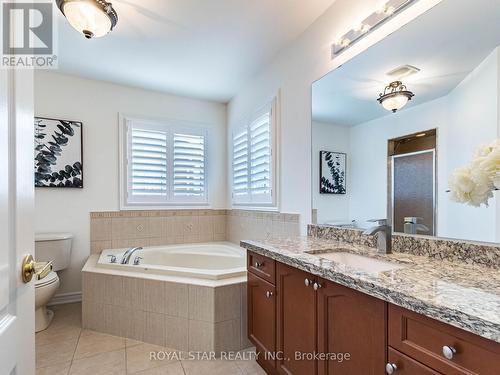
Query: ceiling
{"type": "Point", "coordinates": [199, 48]}
{"type": "Point", "coordinates": [446, 43]}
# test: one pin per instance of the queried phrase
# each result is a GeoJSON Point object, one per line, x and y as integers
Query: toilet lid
{"type": "Point", "coordinates": [49, 279]}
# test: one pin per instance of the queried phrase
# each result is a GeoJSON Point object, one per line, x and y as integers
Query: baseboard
{"type": "Point", "coordinates": [60, 299]}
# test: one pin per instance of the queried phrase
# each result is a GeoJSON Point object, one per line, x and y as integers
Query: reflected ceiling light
{"type": "Point", "coordinates": [92, 18]}
{"type": "Point", "coordinates": [370, 23]}
{"type": "Point", "coordinates": [395, 96]}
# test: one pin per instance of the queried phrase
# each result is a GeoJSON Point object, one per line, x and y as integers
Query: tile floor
{"type": "Point", "coordinates": [66, 349]}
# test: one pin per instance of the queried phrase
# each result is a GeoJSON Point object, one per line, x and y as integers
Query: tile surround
{"type": "Point", "coordinates": [180, 316]}
{"type": "Point", "coordinates": [117, 229]}
{"type": "Point", "coordinates": [245, 224]}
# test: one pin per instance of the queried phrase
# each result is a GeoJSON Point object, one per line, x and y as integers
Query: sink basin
{"type": "Point", "coordinates": [367, 264]}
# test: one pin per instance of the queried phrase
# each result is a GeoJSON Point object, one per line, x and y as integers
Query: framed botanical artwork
{"type": "Point", "coordinates": [332, 172]}
{"type": "Point", "coordinates": [58, 153]}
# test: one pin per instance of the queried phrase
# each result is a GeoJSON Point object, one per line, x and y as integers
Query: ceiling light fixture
{"type": "Point", "coordinates": [370, 23]}
{"type": "Point", "coordinates": [92, 18]}
{"type": "Point", "coordinates": [395, 96]}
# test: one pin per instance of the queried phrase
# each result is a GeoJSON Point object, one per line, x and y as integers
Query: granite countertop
{"type": "Point", "coordinates": [462, 295]}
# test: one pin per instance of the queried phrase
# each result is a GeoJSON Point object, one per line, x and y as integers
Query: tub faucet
{"type": "Point", "coordinates": [127, 254]}
{"type": "Point", "coordinates": [384, 235]}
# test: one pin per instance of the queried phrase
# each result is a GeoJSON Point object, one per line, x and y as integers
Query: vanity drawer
{"type": "Point", "coordinates": [406, 365]}
{"type": "Point", "coordinates": [424, 339]}
{"type": "Point", "coordinates": [262, 266]}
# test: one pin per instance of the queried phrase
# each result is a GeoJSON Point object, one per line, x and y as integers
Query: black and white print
{"type": "Point", "coordinates": [58, 153]}
{"type": "Point", "coordinates": [332, 167]}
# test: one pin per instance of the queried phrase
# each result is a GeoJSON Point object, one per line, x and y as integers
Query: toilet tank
{"type": "Point", "coordinates": [55, 247]}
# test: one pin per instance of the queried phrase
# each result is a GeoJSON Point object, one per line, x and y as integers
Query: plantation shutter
{"type": "Point", "coordinates": [165, 164]}
{"type": "Point", "coordinates": [260, 158]}
{"type": "Point", "coordinates": [253, 160]}
{"type": "Point", "coordinates": [148, 163]}
{"type": "Point", "coordinates": [189, 165]}
{"type": "Point", "coordinates": [240, 166]}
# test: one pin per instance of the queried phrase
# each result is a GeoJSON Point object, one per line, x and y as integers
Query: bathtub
{"type": "Point", "coordinates": [211, 261]}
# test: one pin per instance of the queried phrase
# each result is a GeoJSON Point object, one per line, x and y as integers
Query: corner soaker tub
{"type": "Point", "coordinates": [212, 260]}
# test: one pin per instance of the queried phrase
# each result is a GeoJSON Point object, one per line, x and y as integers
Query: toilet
{"type": "Point", "coordinates": [55, 247]}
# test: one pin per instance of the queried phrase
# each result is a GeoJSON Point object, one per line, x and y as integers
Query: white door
{"type": "Point", "coordinates": [17, 299]}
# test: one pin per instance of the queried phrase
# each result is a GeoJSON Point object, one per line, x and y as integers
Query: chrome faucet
{"type": "Point", "coordinates": [384, 235]}
{"type": "Point", "coordinates": [127, 254]}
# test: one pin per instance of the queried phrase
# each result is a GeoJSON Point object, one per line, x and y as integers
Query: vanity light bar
{"type": "Point", "coordinates": [374, 20]}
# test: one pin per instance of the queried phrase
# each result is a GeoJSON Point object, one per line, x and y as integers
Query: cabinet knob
{"type": "Point", "coordinates": [269, 294]}
{"type": "Point", "coordinates": [316, 286]}
{"type": "Point", "coordinates": [390, 368]}
{"type": "Point", "coordinates": [258, 265]}
{"type": "Point", "coordinates": [307, 282]}
{"type": "Point", "coordinates": [449, 351]}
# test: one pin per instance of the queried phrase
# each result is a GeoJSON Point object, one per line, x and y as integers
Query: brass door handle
{"type": "Point", "coordinates": [28, 268]}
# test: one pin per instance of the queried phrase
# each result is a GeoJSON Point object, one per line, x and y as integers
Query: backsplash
{"type": "Point", "coordinates": [483, 254]}
{"type": "Point", "coordinates": [349, 235]}
{"type": "Point", "coordinates": [117, 229]}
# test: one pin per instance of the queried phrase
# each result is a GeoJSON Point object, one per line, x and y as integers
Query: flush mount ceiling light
{"type": "Point", "coordinates": [395, 96]}
{"type": "Point", "coordinates": [92, 18]}
{"type": "Point", "coordinates": [370, 23]}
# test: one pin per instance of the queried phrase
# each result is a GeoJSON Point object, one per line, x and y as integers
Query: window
{"type": "Point", "coordinates": [253, 161]}
{"type": "Point", "coordinates": [163, 163]}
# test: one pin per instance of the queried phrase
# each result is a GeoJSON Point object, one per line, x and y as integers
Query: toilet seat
{"type": "Point", "coordinates": [51, 278]}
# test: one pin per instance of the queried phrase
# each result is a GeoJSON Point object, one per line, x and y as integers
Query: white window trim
{"type": "Point", "coordinates": [176, 126]}
{"type": "Point", "coordinates": [274, 205]}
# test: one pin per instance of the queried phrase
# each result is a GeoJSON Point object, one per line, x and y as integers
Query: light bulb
{"type": "Point", "coordinates": [395, 102]}
{"type": "Point", "coordinates": [87, 18]}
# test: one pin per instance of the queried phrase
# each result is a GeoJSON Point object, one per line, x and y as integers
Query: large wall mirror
{"type": "Point", "coordinates": [406, 156]}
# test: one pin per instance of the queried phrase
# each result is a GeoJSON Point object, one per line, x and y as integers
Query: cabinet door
{"type": "Point", "coordinates": [296, 322]}
{"type": "Point", "coordinates": [261, 297]}
{"type": "Point", "coordinates": [351, 324]}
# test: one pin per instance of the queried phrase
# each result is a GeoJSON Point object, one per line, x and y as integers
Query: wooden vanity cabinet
{"type": "Point", "coordinates": [351, 322]}
{"type": "Point", "coordinates": [301, 315]}
{"type": "Point", "coordinates": [291, 311]}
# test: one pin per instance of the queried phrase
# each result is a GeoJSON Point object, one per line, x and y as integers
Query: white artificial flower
{"type": "Point", "coordinates": [490, 164]}
{"type": "Point", "coordinates": [461, 185]}
{"type": "Point", "coordinates": [474, 183]}
{"type": "Point", "coordinates": [465, 189]}
{"type": "Point", "coordinates": [480, 195]}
